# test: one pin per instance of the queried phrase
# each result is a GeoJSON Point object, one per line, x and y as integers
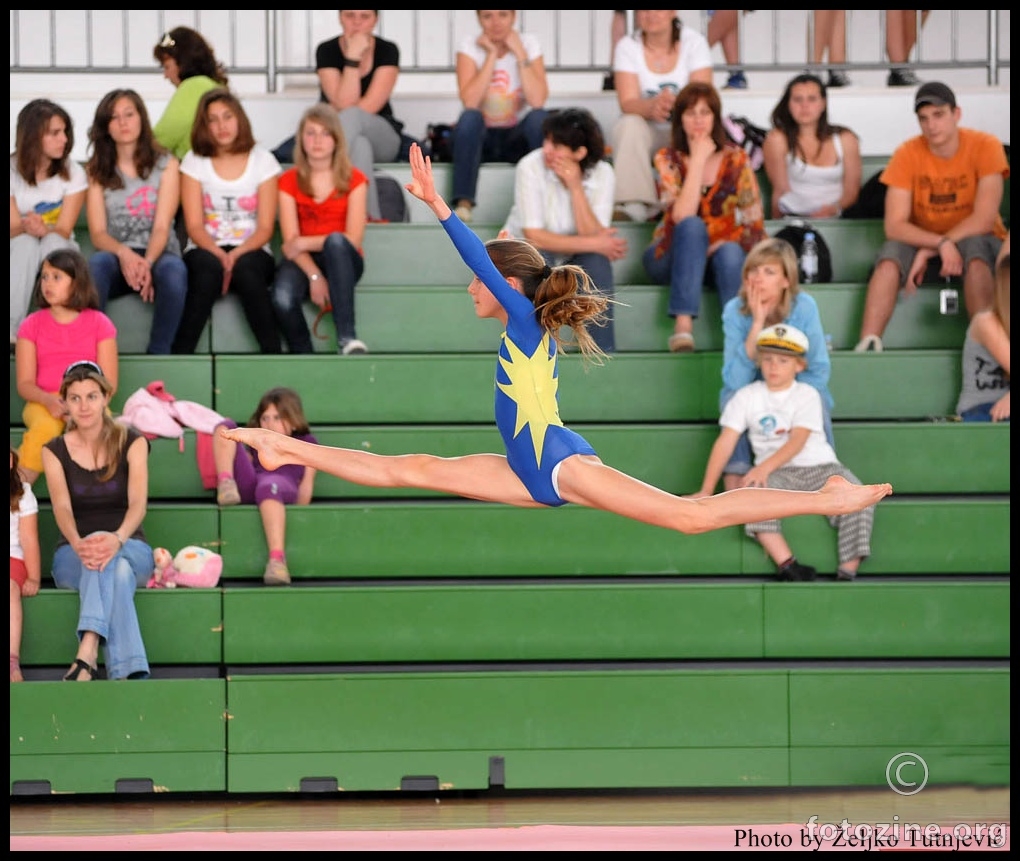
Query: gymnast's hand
{"type": "Point", "coordinates": [422, 184]}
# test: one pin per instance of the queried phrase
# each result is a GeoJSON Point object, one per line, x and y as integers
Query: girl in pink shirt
{"type": "Point", "coordinates": [67, 328]}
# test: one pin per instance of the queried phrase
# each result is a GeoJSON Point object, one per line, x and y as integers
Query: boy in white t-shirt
{"type": "Point", "coordinates": [783, 418]}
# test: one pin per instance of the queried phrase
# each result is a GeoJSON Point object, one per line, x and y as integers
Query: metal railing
{"type": "Point", "coordinates": [272, 44]}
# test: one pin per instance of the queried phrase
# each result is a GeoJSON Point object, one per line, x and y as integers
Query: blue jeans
{"type": "Point", "coordinates": [170, 280]}
{"type": "Point", "coordinates": [599, 267]}
{"type": "Point", "coordinates": [107, 603]}
{"type": "Point", "coordinates": [342, 266]}
{"type": "Point", "coordinates": [473, 144]}
{"type": "Point", "coordinates": [684, 265]}
{"type": "Point", "coordinates": [980, 413]}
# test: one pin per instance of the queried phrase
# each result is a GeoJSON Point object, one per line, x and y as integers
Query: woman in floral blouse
{"type": "Point", "coordinates": [712, 211]}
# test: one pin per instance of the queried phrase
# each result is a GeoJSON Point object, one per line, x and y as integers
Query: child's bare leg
{"type": "Point", "coordinates": [487, 477]}
{"type": "Point", "coordinates": [585, 480]}
{"type": "Point", "coordinates": [775, 545]}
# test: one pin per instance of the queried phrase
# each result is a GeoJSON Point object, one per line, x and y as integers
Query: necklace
{"type": "Point", "coordinates": [661, 59]}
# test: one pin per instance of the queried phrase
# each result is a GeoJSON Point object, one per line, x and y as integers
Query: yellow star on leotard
{"type": "Point", "coordinates": [532, 387]}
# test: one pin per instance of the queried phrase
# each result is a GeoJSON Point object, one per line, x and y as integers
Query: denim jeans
{"type": "Point", "coordinates": [170, 280]}
{"type": "Point", "coordinates": [684, 266]}
{"type": "Point", "coordinates": [474, 144]}
{"type": "Point", "coordinates": [107, 602]}
{"type": "Point", "coordinates": [342, 266]}
{"type": "Point", "coordinates": [599, 267]}
{"type": "Point", "coordinates": [251, 279]}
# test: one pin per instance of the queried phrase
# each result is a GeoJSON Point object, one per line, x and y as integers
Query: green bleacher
{"type": "Point", "coordinates": [435, 643]}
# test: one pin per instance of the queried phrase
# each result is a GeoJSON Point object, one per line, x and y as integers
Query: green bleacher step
{"type": "Point", "coordinates": [170, 525]}
{"type": "Point", "coordinates": [189, 378]}
{"type": "Point", "coordinates": [179, 626]}
{"type": "Point", "coordinates": [444, 320]}
{"type": "Point", "coordinates": [84, 738]}
{"type": "Point", "coordinates": [911, 536]}
{"type": "Point", "coordinates": [567, 729]}
{"type": "Point", "coordinates": [971, 455]}
{"type": "Point", "coordinates": [630, 387]}
{"type": "Point", "coordinates": [430, 622]}
{"type": "Point", "coordinates": [846, 727]}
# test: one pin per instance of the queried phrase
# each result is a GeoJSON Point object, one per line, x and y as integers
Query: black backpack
{"type": "Point", "coordinates": [793, 232]}
{"type": "Point", "coordinates": [439, 142]}
{"type": "Point", "coordinates": [392, 203]}
{"type": "Point", "coordinates": [870, 202]}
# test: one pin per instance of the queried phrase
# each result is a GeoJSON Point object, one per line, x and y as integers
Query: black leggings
{"type": "Point", "coordinates": [251, 280]}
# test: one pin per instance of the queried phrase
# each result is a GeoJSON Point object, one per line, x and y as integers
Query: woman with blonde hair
{"type": "Point", "coordinates": [769, 294]}
{"type": "Point", "coordinates": [323, 203]}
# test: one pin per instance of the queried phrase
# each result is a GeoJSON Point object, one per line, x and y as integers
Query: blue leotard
{"type": "Point", "coordinates": [527, 413]}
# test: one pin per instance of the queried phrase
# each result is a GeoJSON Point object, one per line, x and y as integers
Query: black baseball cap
{"type": "Point", "coordinates": [934, 93]}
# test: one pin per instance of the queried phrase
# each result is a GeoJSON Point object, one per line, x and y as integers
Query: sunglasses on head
{"type": "Point", "coordinates": [83, 366]}
{"type": "Point", "coordinates": [167, 41]}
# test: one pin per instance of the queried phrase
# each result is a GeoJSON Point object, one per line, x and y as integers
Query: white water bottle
{"type": "Point", "coordinates": [809, 259]}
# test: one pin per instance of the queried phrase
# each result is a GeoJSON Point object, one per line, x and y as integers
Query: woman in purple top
{"type": "Point", "coordinates": [242, 478]}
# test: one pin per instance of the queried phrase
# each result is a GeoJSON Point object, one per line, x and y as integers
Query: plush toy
{"type": "Point", "coordinates": [193, 566]}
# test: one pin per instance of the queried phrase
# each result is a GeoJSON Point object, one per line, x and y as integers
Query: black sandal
{"type": "Point", "coordinates": [77, 668]}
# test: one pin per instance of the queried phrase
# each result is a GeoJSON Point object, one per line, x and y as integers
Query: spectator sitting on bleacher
{"type": "Point", "coordinates": [942, 216]}
{"type": "Point", "coordinates": [47, 193]}
{"type": "Point", "coordinates": [133, 196]}
{"type": "Point", "coordinates": [712, 212]}
{"type": "Point", "coordinates": [241, 477]}
{"type": "Point", "coordinates": [229, 197]}
{"type": "Point", "coordinates": [545, 463]}
{"type": "Point", "coordinates": [649, 68]}
{"type": "Point", "coordinates": [563, 203]}
{"type": "Point", "coordinates": [191, 66]}
{"type": "Point", "coordinates": [98, 478]}
{"type": "Point", "coordinates": [323, 211]}
{"type": "Point", "coordinates": [770, 294]}
{"type": "Point", "coordinates": [503, 88]}
{"type": "Point", "coordinates": [814, 167]}
{"type": "Point", "coordinates": [783, 418]}
{"type": "Point", "coordinates": [357, 73]}
{"type": "Point", "coordinates": [68, 326]}
{"type": "Point", "coordinates": [984, 394]}
{"type": "Point", "coordinates": [26, 571]}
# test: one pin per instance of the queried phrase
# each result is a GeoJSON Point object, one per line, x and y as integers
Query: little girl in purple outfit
{"type": "Point", "coordinates": [242, 478]}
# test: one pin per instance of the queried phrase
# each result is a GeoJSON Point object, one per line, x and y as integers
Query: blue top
{"type": "Point", "coordinates": [527, 409]}
{"type": "Point", "coordinates": [739, 370]}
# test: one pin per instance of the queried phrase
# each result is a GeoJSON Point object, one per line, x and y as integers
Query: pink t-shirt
{"type": "Point", "coordinates": [57, 345]}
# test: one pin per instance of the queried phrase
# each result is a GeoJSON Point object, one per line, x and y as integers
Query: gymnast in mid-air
{"type": "Point", "coordinates": [546, 463]}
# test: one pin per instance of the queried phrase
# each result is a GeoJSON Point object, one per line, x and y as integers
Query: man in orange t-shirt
{"type": "Point", "coordinates": [944, 191]}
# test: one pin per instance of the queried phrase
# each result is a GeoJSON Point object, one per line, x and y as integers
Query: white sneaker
{"type": "Point", "coordinates": [353, 347]}
{"type": "Point", "coordinates": [869, 344]}
{"type": "Point", "coordinates": [464, 212]}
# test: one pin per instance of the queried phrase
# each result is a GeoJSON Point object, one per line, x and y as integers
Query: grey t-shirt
{"type": "Point", "coordinates": [130, 210]}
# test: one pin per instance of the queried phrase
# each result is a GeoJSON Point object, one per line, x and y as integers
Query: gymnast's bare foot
{"type": "Point", "coordinates": [270, 445]}
{"type": "Point", "coordinates": [847, 498]}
